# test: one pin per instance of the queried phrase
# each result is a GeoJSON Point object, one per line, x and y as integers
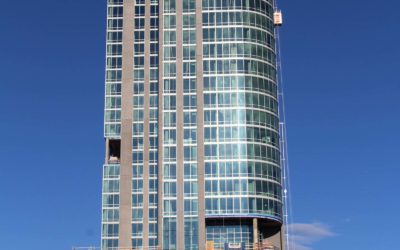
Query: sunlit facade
{"type": "Point", "coordinates": [191, 126]}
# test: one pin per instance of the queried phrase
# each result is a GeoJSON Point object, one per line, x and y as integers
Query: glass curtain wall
{"type": "Point", "coordinates": [138, 126]}
{"type": "Point", "coordinates": [153, 125]}
{"type": "Point", "coordinates": [169, 126]}
{"type": "Point", "coordinates": [241, 115]}
{"type": "Point", "coordinates": [112, 123]}
{"type": "Point", "coordinates": [190, 124]}
{"type": "Point", "coordinates": [139, 99]}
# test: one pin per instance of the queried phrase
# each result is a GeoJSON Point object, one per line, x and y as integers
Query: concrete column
{"type": "Point", "coordinates": [107, 150]}
{"type": "Point", "coordinates": [255, 230]}
{"type": "Point", "coordinates": [125, 220]}
{"type": "Point", "coordinates": [200, 125]}
{"type": "Point", "coordinates": [283, 239]}
{"type": "Point", "coordinates": [275, 236]}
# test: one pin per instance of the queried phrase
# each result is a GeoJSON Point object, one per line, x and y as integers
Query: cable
{"type": "Point", "coordinates": [287, 210]}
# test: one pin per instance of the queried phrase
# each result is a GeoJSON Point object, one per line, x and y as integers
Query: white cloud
{"type": "Point", "coordinates": [304, 235]}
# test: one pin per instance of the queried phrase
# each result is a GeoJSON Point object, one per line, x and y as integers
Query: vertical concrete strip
{"type": "Point", "coordinates": [255, 231]}
{"type": "Point", "coordinates": [180, 227]}
{"type": "Point", "coordinates": [107, 150]}
{"type": "Point", "coordinates": [160, 121]}
{"type": "Point", "coordinates": [283, 239]}
{"type": "Point", "coordinates": [200, 124]}
{"type": "Point", "coordinates": [125, 227]}
{"type": "Point", "coordinates": [276, 238]}
{"type": "Point", "coordinates": [146, 125]}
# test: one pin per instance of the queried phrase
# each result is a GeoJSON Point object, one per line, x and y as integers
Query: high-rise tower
{"type": "Point", "coordinates": [191, 126]}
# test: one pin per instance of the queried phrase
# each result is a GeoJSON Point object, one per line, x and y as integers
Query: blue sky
{"type": "Point", "coordinates": [341, 64]}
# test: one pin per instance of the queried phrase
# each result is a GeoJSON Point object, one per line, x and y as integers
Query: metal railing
{"type": "Point", "coordinates": [215, 247]}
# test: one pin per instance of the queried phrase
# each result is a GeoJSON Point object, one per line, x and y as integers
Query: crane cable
{"type": "Point", "coordinates": [287, 209]}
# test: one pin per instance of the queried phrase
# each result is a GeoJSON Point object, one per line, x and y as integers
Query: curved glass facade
{"type": "Point", "coordinates": [243, 175]}
{"type": "Point", "coordinates": [242, 156]}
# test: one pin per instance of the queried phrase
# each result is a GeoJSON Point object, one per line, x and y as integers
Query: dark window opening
{"type": "Point", "coordinates": [114, 149]}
